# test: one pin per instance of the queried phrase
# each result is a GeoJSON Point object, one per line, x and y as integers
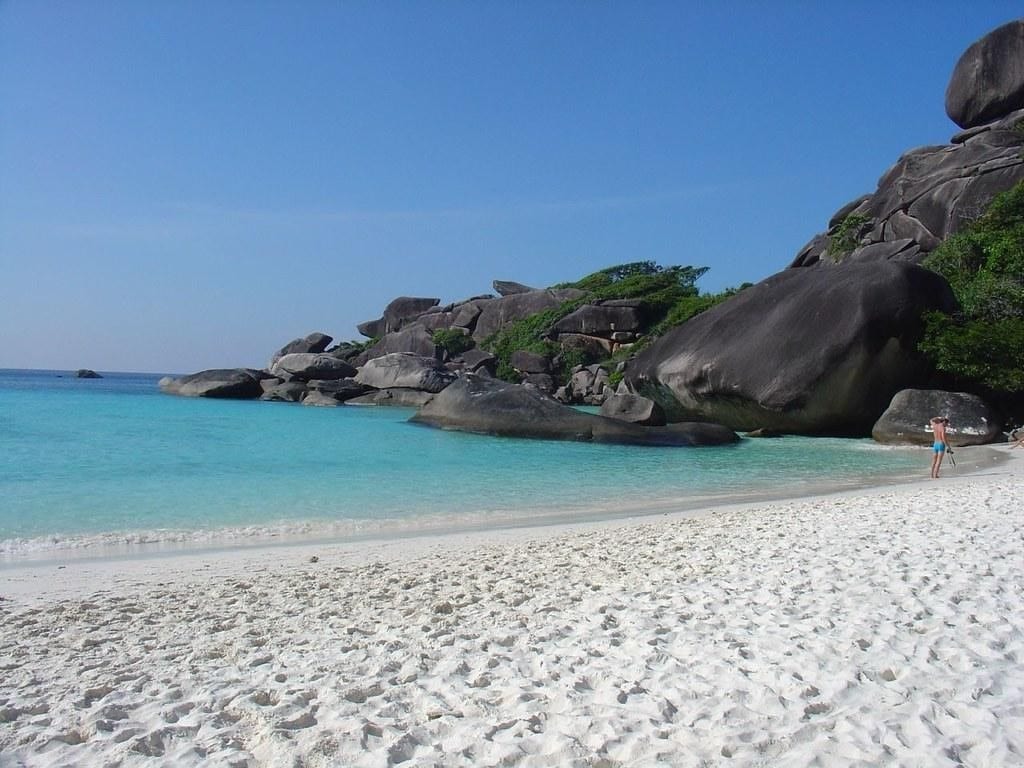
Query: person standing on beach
{"type": "Point", "coordinates": [940, 445]}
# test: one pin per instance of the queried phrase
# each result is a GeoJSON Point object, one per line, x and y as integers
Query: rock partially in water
{"type": "Point", "coordinates": [493, 407]}
{"type": "Point", "coordinates": [971, 420]}
{"type": "Point", "coordinates": [230, 383]}
{"type": "Point", "coordinates": [86, 373]}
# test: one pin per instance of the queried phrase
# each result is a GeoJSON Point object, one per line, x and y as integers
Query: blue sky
{"type": "Point", "coordinates": [189, 185]}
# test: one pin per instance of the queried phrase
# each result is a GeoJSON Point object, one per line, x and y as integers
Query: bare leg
{"type": "Point", "coordinates": [936, 463]}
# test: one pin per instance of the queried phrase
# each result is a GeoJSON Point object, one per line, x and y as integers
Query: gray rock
{"type": "Point", "coordinates": [465, 315]}
{"type": "Point", "coordinates": [509, 288]}
{"type": "Point", "coordinates": [971, 420]}
{"type": "Point", "coordinates": [397, 314]}
{"type": "Point", "coordinates": [932, 192]}
{"type": "Point", "coordinates": [308, 365]}
{"type": "Point", "coordinates": [542, 381]}
{"type": "Point", "coordinates": [373, 329]}
{"type": "Point", "coordinates": [413, 340]}
{"type": "Point", "coordinates": [530, 362]}
{"type": "Point", "coordinates": [229, 383]}
{"type": "Point", "coordinates": [315, 342]}
{"type": "Point", "coordinates": [339, 389]}
{"type": "Point", "coordinates": [988, 80]}
{"type": "Point", "coordinates": [811, 351]}
{"type": "Point", "coordinates": [489, 406]}
{"type": "Point", "coordinates": [635, 409]}
{"type": "Point", "coordinates": [475, 359]}
{"type": "Point", "coordinates": [498, 313]}
{"type": "Point", "coordinates": [86, 373]}
{"type": "Point", "coordinates": [396, 396]}
{"type": "Point", "coordinates": [321, 400]}
{"type": "Point", "coordinates": [600, 320]}
{"type": "Point", "coordinates": [285, 391]}
{"type": "Point", "coordinates": [404, 371]}
{"type": "Point", "coordinates": [403, 310]}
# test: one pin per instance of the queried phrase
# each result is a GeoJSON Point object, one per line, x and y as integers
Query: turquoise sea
{"type": "Point", "coordinates": [111, 465]}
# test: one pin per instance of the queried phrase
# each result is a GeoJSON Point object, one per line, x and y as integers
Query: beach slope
{"type": "Point", "coordinates": [878, 627]}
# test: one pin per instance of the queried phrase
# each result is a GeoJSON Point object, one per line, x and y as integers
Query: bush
{"type": "Point", "coordinates": [452, 341]}
{"type": "Point", "coordinates": [984, 264]}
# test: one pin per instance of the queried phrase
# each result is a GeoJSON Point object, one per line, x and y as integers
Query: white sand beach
{"type": "Point", "coordinates": [871, 628]}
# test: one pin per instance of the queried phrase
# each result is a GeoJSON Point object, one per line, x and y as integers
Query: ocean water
{"type": "Point", "coordinates": [111, 465]}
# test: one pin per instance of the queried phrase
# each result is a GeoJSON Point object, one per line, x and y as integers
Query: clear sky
{"type": "Point", "coordinates": [191, 184]}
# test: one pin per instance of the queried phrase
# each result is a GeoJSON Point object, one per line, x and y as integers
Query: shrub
{"type": "Point", "coordinates": [984, 264]}
{"type": "Point", "coordinates": [452, 340]}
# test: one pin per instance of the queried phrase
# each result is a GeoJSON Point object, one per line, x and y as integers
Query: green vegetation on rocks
{"type": "Point", "coordinates": [667, 296]}
{"type": "Point", "coordinates": [983, 344]}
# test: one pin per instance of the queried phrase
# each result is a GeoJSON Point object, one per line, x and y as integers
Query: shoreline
{"type": "Point", "coordinates": [868, 626]}
{"type": "Point", "coordinates": [128, 546]}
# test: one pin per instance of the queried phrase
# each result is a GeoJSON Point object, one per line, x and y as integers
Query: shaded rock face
{"type": "Point", "coordinates": [635, 409]}
{"type": "Point", "coordinates": [489, 406]}
{"type": "Point", "coordinates": [988, 80]}
{"type": "Point", "coordinates": [906, 421]}
{"type": "Point", "coordinates": [805, 351]}
{"type": "Point", "coordinates": [404, 371]}
{"type": "Point", "coordinates": [396, 396]}
{"type": "Point", "coordinates": [86, 373]}
{"type": "Point", "coordinates": [315, 342]}
{"type": "Point", "coordinates": [283, 391]}
{"type": "Point", "coordinates": [233, 383]}
{"type": "Point", "coordinates": [530, 362]}
{"type": "Point", "coordinates": [932, 192]}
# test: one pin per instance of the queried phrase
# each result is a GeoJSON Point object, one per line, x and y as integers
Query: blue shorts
{"type": "Point", "coordinates": [938, 447]}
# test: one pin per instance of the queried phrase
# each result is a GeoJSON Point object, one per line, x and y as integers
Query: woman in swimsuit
{"type": "Point", "coordinates": [939, 425]}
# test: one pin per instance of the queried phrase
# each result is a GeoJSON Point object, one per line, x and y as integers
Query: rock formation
{"type": "Point", "coordinates": [931, 192]}
{"type": "Point", "coordinates": [809, 351]}
{"type": "Point", "coordinates": [234, 383]}
{"type": "Point", "coordinates": [86, 373]}
{"type": "Point", "coordinates": [489, 406]}
{"type": "Point", "coordinates": [315, 342]}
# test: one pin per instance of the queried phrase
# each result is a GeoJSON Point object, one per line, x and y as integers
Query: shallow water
{"type": "Point", "coordinates": [93, 464]}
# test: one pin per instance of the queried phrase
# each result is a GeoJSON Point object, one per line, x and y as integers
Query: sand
{"type": "Point", "coordinates": [878, 627]}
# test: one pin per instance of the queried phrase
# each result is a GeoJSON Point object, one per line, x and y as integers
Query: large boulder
{"type": "Point", "coordinates": [397, 314]}
{"type": "Point", "coordinates": [308, 365]}
{"type": "Point", "coordinates": [404, 371]}
{"type": "Point", "coordinates": [231, 383]}
{"type": "Point", "coordinates": [493, 407]}
{"type": "Point", "coordinates": [87, 373]}
{"type": "Point", "coordinates": [988, 80]}
{"type": "Point", "coordinates": [804, 351]}
{"type": "Point", "coordinates": [601, 319]}
{"type": "Point", "coordinates": [413, 340]}
{"type": "Point", "coordinates": [971, 420]}
{"type": "Point", "coordinates": [315, 342]}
